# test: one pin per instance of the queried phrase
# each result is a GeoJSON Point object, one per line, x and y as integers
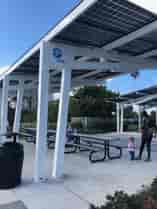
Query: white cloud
{"type": "Point", "coordinates": [109, 80]}
{"type": "Point", "coordinates": [3, 69]}
{"type": "Point", "coordinates": [147, 4]}
{"type": "Point", "coordinates": [56, 96]}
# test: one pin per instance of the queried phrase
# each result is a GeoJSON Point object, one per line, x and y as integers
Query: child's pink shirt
{"type": "Point", "coordinates": [131, 146]}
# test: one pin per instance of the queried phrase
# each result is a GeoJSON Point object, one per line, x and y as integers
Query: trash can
{"type": "Point", "coordinates": [11, 163]}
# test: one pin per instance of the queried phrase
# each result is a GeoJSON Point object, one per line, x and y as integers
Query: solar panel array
{"type": "Point", "coordinates": [140, 94]}
{"type": "Point", "coordinates": [103, 23]}
{"type": "Point", "coordinates": [107, 21]}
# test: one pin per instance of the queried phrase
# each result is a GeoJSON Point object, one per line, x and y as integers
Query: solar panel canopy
{"type": "Point", "coordinates": [146, 97]}
{"type": "Point", "coordinates": [107, 21]}
{"type": "Point", "coordinates": [100, 24]}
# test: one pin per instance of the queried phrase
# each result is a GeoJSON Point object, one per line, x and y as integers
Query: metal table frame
{"type": "Point", "coordinates": [101, 143]}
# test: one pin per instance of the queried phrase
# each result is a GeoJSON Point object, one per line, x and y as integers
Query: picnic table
{"type": "Point", "coordinates": [99, 144]}
{"type": "Point", "coordinates": [10, 134]}
{"type": "Point", "coordinates": [30, 134]}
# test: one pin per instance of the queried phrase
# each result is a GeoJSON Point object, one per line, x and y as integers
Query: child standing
{"type": "Point", "coordinates": [131, 148]}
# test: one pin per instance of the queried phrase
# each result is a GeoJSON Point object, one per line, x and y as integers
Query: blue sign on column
{"type": "Point", "coordinates": [58, 54]}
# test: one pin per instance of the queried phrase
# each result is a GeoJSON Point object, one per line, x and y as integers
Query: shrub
{"type": "Point", "coordinates": [28, 117]}
{"type": "Point", "coordinates": [145, 199]}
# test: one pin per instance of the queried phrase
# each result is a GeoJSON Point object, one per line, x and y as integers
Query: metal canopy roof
{"type": "Point", "coordinates": [119, 25]}
{"type": "Point", "coordinates": [145, 97]}
{"type": "Point", "coordinates": [150, 104]}
{"type": "Point", "coordinates": [107, 21]}
{"type": "Point", "coordinates": [140, 93]}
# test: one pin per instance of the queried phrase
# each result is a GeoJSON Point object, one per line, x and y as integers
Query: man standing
{"type": "Point", "coordinates": [147, 135]}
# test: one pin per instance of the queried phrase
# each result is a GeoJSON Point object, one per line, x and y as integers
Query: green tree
{"type": "Point", "coordinates": [92, 101]}
{"type": "Point", "coordinates": [53, 112]}
{"type": "Point", "coordinates": [129, 113]}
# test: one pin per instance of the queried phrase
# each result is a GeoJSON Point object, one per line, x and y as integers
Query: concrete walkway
{"type": "Point", "coordinates": [83, 183]}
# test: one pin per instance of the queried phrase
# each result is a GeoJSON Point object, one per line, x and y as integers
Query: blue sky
{"type": "Point", "coordinates": [24, 22]}
{"type": "Point", "coordinates": [127, 83]}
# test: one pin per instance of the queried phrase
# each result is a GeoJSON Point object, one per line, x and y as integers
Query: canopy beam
{"type": "Point", "coordinates": [131, 36]}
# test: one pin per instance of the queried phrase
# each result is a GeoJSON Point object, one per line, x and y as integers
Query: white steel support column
{"type": "Point", "coordinates": [4, 107]}
{"type": "Point", "coordinates": [18, 111]}
{"type": "Point", "coordinates": [58, 165]}
{"type": "Point", "coordinates": [122, 119]}
{"type": "Point", "coordinates": [0, 98]}
{"type": "Point", "coordinates": [118, 117]}
{"type": "Point", "coordinates": [42, 114]}
{"type": "Point", "coordinates": [156, 117]}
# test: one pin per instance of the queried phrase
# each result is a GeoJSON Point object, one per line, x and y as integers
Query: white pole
{"type": "Point", "coordinates": [118, 117]}
{"type": "Point", "coordinates": [0, 101]}
{"type": "Point", "coordinates": [4, 107]}
{"type": "Point", "coordinates": [58, 163]}
{"type": "Point", "coordinates": [122, 119]}
{"type": "Point", "coordinates": [18, 111]}
{"type": "Point", "coordinates": [156, 118]}
{"type": "Point", "coordinates": [42, 115]}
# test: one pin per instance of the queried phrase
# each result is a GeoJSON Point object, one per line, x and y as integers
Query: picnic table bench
{"type": "Point", "coordinates": [29, 134]}
{"type": "Point", "coordinates": [99, 147]}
